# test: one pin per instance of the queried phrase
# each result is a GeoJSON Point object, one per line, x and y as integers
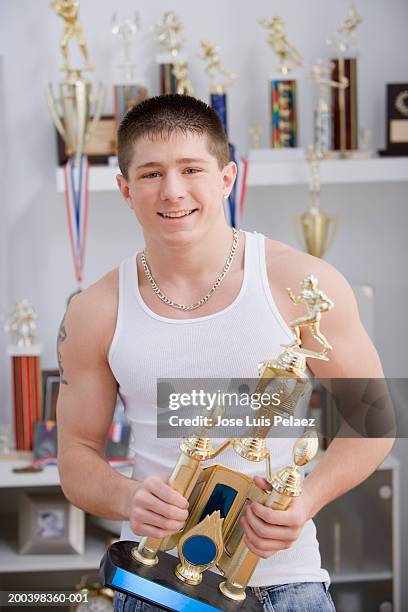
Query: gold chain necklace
{"type": "Point", "coordinates": [207, 296]}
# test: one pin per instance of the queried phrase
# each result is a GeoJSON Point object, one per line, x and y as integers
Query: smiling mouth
{"type": "Point", "coordinates": [178, 214]}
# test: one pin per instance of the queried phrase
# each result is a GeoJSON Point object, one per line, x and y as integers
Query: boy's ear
{"type": "Point", "coordinates": [123, 187]}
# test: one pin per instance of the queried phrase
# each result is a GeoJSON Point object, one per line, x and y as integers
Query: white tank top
{"type": "Point", "coordinates": [227, 344]}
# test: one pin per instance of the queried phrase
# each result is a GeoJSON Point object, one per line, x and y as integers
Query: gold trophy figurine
{"type": "Point", "coordinates": [184, 86]}
{"type": "Point", "coordinates": [318, 227]}
{"type": "Point", "coordinates": [68, 10]}
{"type": "Point", "coordinates": [317, 303]}
{"type": "Point", "coordinates": [74, 122]}
{"type": "Point", "coordinates": [288, 55]}
{"type": "Point", "coordinates": [168, 33]}
{"type": "Point", "coordinates": [216, 69]}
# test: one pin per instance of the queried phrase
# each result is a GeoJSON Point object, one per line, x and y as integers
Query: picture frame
{"type": "Point", "coordinates": [397, 120]}
{"type": "Point", "coordinates": [100, 146]}
{"type": "Point", "coordinates": [50, 381]}
{"type": "Point", "coordinates": [49, 524]}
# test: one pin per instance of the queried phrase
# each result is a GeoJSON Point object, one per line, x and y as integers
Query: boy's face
{"type": "Point", "coordinates": [176, 188]}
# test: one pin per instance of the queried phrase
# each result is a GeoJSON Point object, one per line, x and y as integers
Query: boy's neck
{"type": "Point", "coordinates": [180, 264]}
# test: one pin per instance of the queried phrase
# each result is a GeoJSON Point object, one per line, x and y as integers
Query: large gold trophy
{"type": "Point", "coordinates": [315, 229]}
{"type": "Point", "coordinates": [213, 535]}
{"type": "Point", "coordinates": [75, 113]}
{"type": "Point", "coordinates": [75, 119]}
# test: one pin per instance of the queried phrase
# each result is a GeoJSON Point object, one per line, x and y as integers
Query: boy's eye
{"type": "Point", "coordinates": [192, 170]}
{"type": "Point", "coordinates": [151, 175]}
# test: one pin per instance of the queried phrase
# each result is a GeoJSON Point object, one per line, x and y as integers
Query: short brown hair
{"type": "Point", "coordinates": [164, 115]}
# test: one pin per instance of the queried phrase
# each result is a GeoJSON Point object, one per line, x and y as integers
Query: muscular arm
{"type": "Point", "coordinates": [350, 459]}
{"type": "Point", "coordinates": [85, 408]}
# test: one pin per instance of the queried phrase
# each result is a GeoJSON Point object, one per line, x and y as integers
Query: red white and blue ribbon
{"type": "Point", "coordinates": [234, 205]}
{"type": "Point", "coordinates": [76, 199]}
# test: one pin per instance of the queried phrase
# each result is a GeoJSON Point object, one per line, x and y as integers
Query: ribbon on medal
{"type": "Point", "coordinates": [77, 205]}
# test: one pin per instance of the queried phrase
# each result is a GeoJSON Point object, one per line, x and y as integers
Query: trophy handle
{"type": "Point", "coordinates": [301, 241]}
{"type": "Point", "coordinates": [336, 222]}
{"type": "Point", "coordinates": [54, 112]}
{"type": "Point", "coordinates": [100, 99]}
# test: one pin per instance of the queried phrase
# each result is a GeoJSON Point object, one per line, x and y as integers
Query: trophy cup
{"type": "Point", "coordinates": [72, 115]}
{"type": "Point", "coordinates": [126, 93]}
{"type": "Point", "coordinates": [283, 104]}
{"type": "Point", "coordinates": [319, 228]}
{"type": "Point", "coordinates": [173, 64]}
{"type": "Point", "coordinates": [213, 535]}
{"type": "Point", "coordinates": [220, 78]}
{"type": "Point", "coordinates": [25, 354]}
{"type": "Point", "coordinates": [344, 99]}
{"type": "Point", "coordinates": [320, 73]}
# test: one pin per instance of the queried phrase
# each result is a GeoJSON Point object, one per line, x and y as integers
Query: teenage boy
{"type": "Point", "coordinates": [200, 300]}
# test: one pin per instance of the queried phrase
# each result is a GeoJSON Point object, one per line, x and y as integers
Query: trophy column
{"type": "Point", "coordinates": [25, 355]}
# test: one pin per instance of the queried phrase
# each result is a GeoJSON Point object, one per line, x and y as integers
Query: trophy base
{"type": "Point", "coordinates": [160, 587]}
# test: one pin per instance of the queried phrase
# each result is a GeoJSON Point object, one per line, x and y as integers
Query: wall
{"type": "Point", "coordinates": [371, 246]}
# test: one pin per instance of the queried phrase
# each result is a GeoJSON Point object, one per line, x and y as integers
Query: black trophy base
{"type": "Point", "coordinates": [160, 587]}
{"type": "Point", "coordinates": [401, 151]}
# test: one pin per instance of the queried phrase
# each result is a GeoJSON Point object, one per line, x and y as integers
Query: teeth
{"type": "Point", "coordinates": [179, 213]}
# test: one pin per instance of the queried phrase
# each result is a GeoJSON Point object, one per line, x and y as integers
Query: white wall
{"type": "Point", "coordinates": [371, 246]}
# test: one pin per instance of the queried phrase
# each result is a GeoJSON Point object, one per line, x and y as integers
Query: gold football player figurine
{"type": "Point", "coordinates": [68, 10]}
{"type": "Point", "coordinates": [214, 67]}
{"type": "Point", "coordinates": [316, 303]}
{"type": "Point", "coordinates": [168, 33]}
{"type": "Point", "coordinates": [288, 55]}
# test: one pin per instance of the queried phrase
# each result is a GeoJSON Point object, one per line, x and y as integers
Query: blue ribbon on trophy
{"type": "Point", "coordinates": [73, 120]}
{"type": "Point", "coordinates": [173, 66]}
{"type": "Point", "coordinates": [126, 92]}
{"type": "Point", "coordinates": [221, 78]}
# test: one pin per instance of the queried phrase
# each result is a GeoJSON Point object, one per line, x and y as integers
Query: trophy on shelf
{"type": "Point", "coordinates": [220, 79]}
{"type": "Point", "coordinates": [344, 99]}
{"type": "Point", "coordinates": [283, 100]}
{"type": "Point", "coordinates": [75, 114]}
{"type": "Point", "coordinates": [174, 77]}
{"type": "Point", "coordinates": [126, 92]}
{"type": "Point", "coordinates": [213, 535]}
{"type": "Point", "coordinates": [315, 229]}
{"type": "Point", "coordinates": [320, 73]}
{"type": "Point", "coordinates": [25, 353]}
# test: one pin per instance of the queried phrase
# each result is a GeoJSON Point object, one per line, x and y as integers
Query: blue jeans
{"type": "Point", "coordinates": [296, 597]}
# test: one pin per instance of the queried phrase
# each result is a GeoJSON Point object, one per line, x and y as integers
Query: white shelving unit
{"type": "Point", "coordinates": [292, 172]}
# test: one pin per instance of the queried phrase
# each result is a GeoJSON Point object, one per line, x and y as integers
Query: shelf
{"type": "Point", "coordinates": [11, 561]}
{"type": "Point", "coordinates": [291, 172]}
{"type": "Point", "coordinates": [49, 477]}
{"type": "Point", "coordinates": [361, 576]}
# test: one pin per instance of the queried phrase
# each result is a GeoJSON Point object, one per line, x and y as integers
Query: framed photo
{"type": "Point", "coordinates": [397, 119]}
{"type": "Point", "coordinates": [49, 524]}
{"type": "Point", "coordinates": [51, 380]}
{"type": "Point", "coordinates": [100, 145]}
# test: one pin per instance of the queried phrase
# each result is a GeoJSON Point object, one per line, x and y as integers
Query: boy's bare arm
{"type": "Point", "coordinates": [85, 408]}
{"type": "Point", "coordinates": [84, 411]}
